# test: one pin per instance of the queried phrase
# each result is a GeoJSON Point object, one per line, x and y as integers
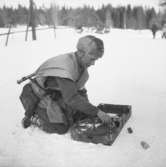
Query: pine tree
{"type": "Point", "coordinates": [2, 24]}
{"type": "Point", "coordinates": [108, 22]}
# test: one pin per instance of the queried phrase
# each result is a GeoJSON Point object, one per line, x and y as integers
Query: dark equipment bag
{"type": "Point", "coordinates": [92, 130]}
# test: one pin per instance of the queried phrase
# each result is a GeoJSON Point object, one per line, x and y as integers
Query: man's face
{"type": "Point", "coordinates": [89, 60]}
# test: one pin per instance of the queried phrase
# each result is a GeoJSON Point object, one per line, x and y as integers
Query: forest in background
{"type": "Point", "coordinates": [137, 17]}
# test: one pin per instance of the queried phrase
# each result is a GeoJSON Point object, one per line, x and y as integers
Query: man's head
{"type": "Point", "coordinates": [89, 49]}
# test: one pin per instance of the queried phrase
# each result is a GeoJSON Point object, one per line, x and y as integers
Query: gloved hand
{"type": "Point", "coordinates": [104, 117]}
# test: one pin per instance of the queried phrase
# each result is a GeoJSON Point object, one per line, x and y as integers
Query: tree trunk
{"type": "Point", "coordinates": [32, 19]}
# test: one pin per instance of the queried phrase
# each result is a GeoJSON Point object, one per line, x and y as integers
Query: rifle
{"type": "Point", "coordinates": [25, 78]}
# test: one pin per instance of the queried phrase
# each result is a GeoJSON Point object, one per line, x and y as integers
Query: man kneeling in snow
{"type": "Point", "coordinates": [56, 98]}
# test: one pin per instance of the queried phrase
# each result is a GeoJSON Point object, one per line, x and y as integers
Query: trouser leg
{"type": "Point", "coordinates": [59, 128]}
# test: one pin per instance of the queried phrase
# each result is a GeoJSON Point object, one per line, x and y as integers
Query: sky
{"type": "Point", "coordinates": [76, 3]}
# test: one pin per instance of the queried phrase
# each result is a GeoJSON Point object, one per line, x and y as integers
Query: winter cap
{"type": "Point", "coordinates": [91, 45]}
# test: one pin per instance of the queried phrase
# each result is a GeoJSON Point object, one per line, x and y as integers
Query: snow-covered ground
{"type": "Point", "coordinates": [132, 71]}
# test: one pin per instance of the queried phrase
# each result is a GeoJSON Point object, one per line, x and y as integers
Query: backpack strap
{"type": "Point", "coordinates": [37, 89]}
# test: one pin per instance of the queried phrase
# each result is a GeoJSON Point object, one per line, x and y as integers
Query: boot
{"type": "Point", "coordinates": [36, 121]}
{"type": "Point", "coordinates": [26, 122]}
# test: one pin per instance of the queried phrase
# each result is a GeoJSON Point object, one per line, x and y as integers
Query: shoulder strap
{"type": "Point", "coordinates": [37, 89]}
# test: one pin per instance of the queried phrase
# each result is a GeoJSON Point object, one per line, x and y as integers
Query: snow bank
{"type": "Point", "coordinates": [132, 71]}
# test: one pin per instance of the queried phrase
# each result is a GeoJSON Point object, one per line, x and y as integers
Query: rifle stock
{"type": "Point", "coordinates": [25, 78]}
